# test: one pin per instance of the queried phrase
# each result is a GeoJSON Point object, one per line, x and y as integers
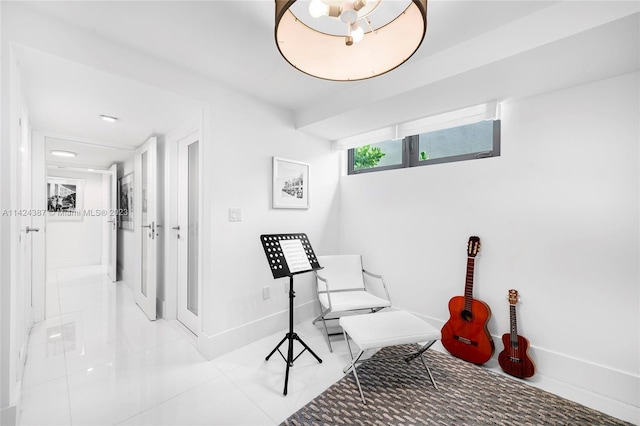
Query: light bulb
{"type": "Point", "coordinates": [317, 8]}
{"type": "Point", "coordinates": [357, 32]}
{"type": "Point", "coordinates": [359, 4]}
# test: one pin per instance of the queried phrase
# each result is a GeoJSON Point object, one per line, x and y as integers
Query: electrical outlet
{"type": "Point", "coordinates": [266, 292]}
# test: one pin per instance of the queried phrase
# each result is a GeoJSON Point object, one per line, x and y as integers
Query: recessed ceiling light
{"type": "Point", "coordinates": [63, 153]}
{"type": "Point", "coordinates": [90, 170]}
{"type": "Point", "coordinates": [108, 118]}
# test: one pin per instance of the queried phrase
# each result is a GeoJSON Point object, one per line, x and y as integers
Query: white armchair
{"type": "Point", "coordinates": [341, 289]}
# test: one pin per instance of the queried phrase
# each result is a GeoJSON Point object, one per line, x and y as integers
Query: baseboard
{"type": "Point", "coordinates": [8, 416]}
{"type": "Point", "coordinates": [602, 388]}
{"type": "Point", "coordinates": [72, 262]}
{"type": "Point", "coordinates": [212, 346]}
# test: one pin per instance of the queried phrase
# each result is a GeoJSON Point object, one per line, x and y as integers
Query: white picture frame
{"type": "Point", "coordinates": [125, 202]}
{"type": "Point", "coordinates": [65, 198]}
{"type": "Point", "coordinates": [290, 184]}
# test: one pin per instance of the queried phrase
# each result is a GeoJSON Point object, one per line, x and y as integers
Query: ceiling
{"type": "Point", "coordinates": [65, 100]}
{"type": "Point", "coordinates": [130, 59]}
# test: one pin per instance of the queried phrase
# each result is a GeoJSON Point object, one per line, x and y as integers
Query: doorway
{"type": "Point", "coordinates": [81, 226]}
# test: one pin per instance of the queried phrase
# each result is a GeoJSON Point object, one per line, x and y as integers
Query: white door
{"type": "Point", "coordinates": [189, 231]}
{"type": "Point", "coordinates": [113, 224]}
{"type": "Point", "coordinates": [145, 221]}
{"type": "Point", "coordinates": [25, 214]}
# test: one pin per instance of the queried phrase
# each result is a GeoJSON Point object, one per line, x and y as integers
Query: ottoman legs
{"type": "Point", "coordinates": [408, 358]}
{"type": "Point", "coordinates": [353, 366]}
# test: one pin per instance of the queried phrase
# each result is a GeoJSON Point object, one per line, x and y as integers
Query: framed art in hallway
{"type": "Point", "coordinates": [125, 202]}
{"type": "Point", "coordinates": [65, 198]}
{"type": "Point", "coordinates": [290, 184]}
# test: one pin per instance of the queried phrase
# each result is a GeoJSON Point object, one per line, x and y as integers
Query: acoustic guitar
{"type": "Point", "coordinates": [514, 359]}
{"type": "Point", "coordinates": [465, 335]}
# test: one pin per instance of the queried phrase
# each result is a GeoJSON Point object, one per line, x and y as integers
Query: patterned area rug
{"type": "Point", "coordinates": [398, 393]}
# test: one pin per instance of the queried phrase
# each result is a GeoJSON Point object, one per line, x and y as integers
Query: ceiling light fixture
{"type": "Point", "coordinates": [59, 153]}
{"type": "Point", "coordinates": [346, 40]}
{"type": "Point", "coordinates": [108, 118]}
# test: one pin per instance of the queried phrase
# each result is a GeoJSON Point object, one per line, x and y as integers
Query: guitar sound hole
{"type": "Point", "coordinates": [466, 315]}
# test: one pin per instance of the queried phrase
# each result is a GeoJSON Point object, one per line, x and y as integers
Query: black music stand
{"type": "Point", "coordinates": [289, 255]}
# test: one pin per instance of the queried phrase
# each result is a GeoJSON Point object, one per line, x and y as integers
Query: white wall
{"type": "Point", "coordinates": [241, 136]}
{"type": "Point", "coordinates": [78, 242]}
{"type": "Point", "coordinates": [557, 214]}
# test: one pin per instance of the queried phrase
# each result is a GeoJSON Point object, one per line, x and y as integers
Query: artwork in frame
{"type": "Point", "coordinates": [125, 202]}
{"type": "Point", "coordinates": [65, 198]}
{"type": "Point", "coordinates": [290, 184]}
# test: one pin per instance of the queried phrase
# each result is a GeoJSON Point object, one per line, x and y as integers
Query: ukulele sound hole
{"type": "Point", "coordinates": [466, 315]}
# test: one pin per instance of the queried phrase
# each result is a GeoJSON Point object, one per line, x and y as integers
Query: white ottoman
{"type": "Point", "coordinates": [387, 328]}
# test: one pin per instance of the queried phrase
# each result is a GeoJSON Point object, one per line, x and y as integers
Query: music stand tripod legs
{"type": "Point", "coordinates": [291, 336]}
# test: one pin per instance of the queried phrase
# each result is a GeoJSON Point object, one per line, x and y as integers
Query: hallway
{"type": "Point", "coordinates": [99, 361]}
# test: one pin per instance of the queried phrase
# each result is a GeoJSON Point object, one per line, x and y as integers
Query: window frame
{"type": "Point", "coordinates": [411, 154]}
{"type": "Point", "coordinates": [403, 165]}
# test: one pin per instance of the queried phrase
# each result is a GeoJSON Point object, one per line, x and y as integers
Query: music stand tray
{"type": "Point", "coordinates": [289, 255]}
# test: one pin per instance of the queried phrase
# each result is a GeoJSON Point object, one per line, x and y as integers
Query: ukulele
{"type": "Point", "coordinates": [465, 335]}
{"type": "Point", "coordinates": [514, 359]}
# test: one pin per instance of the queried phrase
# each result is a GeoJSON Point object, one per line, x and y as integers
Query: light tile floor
{"type": "Point", "coordinates": [99, 361]}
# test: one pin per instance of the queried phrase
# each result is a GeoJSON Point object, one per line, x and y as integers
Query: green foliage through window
{"type": "Point", "coordinates": [366, 156]}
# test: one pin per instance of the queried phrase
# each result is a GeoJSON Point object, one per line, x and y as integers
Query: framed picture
{"type": "Point", "coordinates": [65, 198]}
{"type": "Point", "coordinates": [290, 184]}
{"type": "Point", "coordinates": [125, 202]}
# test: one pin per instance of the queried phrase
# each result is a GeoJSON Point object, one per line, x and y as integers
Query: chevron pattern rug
{"type": "Point", "coordinates": [398, 393]}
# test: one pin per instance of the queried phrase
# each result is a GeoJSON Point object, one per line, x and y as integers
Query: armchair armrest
{"type": "Point", "coordinates": [372, 274]}
{"type": "Point", "coordinates": [379, 277]}
{"type": "Point", "coordinates": [326, 287]}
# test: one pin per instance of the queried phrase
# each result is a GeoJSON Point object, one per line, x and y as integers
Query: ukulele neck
{"type": "Point", "coordinates": [514, 325]}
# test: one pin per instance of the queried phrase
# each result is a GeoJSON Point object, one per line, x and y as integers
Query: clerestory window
{"type": "Point", "coordinates": [466, 142]}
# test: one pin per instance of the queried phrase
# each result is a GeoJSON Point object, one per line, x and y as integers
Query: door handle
{"type": "Point", "coordinates": [177, 228]}
{"type": "Point", "coordinates": [152, 229]}
{"type": "Point", "coordinates": [30, 229]}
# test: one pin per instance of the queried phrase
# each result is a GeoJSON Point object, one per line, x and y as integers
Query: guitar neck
{"type": "Point", "coordinates": [468, 287]}
{"type": "Point", "coordinates": [514, 325]}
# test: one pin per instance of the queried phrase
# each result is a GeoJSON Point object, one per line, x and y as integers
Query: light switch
{"type": "Point", "coordinates": [235, 215]}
